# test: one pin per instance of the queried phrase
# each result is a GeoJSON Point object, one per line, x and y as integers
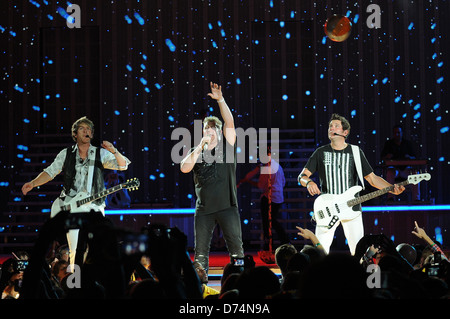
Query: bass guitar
{"type": "Point", "coordinates": [329, 209]}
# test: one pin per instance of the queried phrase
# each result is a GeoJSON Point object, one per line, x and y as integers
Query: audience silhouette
{"type": "Point", "coordinates": [111, 270]}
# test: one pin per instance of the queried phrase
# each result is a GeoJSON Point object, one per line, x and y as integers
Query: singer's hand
{"type": "Point", "coordinates": [216, 91]}
{"type": "Point", "coordinates": [205, 141]}
{"type": "Point", "coordinates": [108, 146]}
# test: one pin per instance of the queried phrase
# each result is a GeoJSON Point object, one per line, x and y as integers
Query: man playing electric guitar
{"type": "Point", "coordinates": [82, 165]}
{"type": "Point", "coordinates": [336, 166]}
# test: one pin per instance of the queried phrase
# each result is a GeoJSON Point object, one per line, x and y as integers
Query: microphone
{"type": "Point", "coordinates": [205, 146]}
{"type": "Point", "coordinates": [81, 161]}
{"type": "Point", "coordinates": [340, 135]}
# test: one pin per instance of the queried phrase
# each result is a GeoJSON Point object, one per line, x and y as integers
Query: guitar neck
{"type": "Point", "coordinates": [105, 193]}
{"type": "Point", "coordinates": [364, 198]}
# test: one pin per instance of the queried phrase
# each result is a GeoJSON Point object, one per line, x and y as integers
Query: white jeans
{"type": "Point", "coordinates": [72, 241]}
{"type": "Point", "coordinates": [353, 230]}
{"type": "Point", "coordinates": [72, 235]}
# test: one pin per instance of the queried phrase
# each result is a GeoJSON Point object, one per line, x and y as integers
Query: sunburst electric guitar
{"type": "Point", "coordinates": [79, 202]}
{"type": "Point", "coordinates": [329, 209]}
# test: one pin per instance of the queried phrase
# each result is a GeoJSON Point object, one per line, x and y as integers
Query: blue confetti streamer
{"type": "Point", "coordinates": [18, 88]}
{"type": "Point", "coordinates": [139, 19]}
{"type": "Point", "coordinates": [128, 19]}
{"type": "Point", "coordinates": [170, 45]}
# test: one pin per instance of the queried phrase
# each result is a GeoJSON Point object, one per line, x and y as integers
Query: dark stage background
{"type": "Point", "coordinates": [140, 69]}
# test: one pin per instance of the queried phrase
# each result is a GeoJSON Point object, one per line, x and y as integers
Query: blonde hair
{"type": "Point", "coordinates": [77, 123]}
{"type": "Point", "coordinates": [217, 122]}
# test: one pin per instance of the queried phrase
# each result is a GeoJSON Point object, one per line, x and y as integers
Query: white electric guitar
{"type": "Point", "coordinates": [329, 209]}
{"type": "Point", "coordinates": [80, 202]}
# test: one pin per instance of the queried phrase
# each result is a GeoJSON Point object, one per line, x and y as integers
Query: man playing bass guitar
{"type": "Point", "coordinates": [337, 171]}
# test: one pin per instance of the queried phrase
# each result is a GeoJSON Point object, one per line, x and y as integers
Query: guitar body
{"type": "Point", "coordinates": [329, 209]}
{"type": "Point", "coordinates": [82, 202]}
{"type": "Point", "coordinates": [72, 205]}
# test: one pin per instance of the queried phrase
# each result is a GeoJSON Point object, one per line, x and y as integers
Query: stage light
{"type": "Point", "coordinates": [404, 208]}
{"type": "Point", "coordinates": [168, 211]}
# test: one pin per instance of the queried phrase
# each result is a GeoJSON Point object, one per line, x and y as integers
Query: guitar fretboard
{"type": "Point", "coordinates": [92, 198]}
{"type": "Point", "coordinates": [361, 199]}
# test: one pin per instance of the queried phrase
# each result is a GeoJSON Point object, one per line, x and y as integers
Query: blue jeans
{"type": "Point", "coordinates": [230, 222]}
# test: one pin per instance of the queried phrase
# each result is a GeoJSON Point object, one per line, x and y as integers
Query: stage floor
{"type": "Point", "coordinates": [218, 260]}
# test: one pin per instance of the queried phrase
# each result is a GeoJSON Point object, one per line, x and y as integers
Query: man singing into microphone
{"type": "Point", "coordinates": [336, 167]}
{"type": "Point", "coordinates": [82, 165]}
{"type": "Point", "coordinates": [213, 162]}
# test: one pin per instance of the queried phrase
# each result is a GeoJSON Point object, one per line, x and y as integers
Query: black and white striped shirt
{"type": "Point", "coordinates": [337, 170]}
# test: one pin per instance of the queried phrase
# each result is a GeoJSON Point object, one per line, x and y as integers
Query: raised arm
{"type": "Point", "coordinates": [228, 127]}
{"type": "Point", "coordinates": [307, 234]}
{"type": "Point", "coordinates": [420, 233]}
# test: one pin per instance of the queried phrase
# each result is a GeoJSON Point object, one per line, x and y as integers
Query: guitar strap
{"type": "Point", "coordinates": [357, 157]}
{"type": "Point", "coordinates": [91, 157]}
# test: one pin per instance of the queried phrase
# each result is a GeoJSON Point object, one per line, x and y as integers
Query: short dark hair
{"type": "Point", "coordinates": [345, 123]}
{"type": "Point", "coordinates": [282, 255]}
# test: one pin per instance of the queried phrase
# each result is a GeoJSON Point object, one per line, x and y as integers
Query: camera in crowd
{"type": "Point", "coordinates": [21, 265]}
{"type": "Point", "coordinates": [436, 267]}
{"type": "Point", "coordinates": [139, 243]}
{"type": "Point", "coordinates": [237, 261]}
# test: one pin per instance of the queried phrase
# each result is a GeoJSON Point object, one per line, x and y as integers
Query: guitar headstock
{"type": "Point", "coordinates": [132, 184]}
{"type": "Point", "coordinates": [415, 179]}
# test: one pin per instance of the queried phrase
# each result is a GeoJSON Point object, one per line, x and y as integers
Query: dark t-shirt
{"type": "Point", "coordinates": [337, 169]}
{"type": "Point", "coordinates": [215, 179]}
